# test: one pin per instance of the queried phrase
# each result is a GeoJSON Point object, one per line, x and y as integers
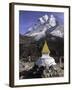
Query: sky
{"type": "Point", "coordinates": [29, 18]}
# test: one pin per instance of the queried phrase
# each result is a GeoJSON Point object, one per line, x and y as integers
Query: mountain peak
{"type": "Point", "coordinates": [45, 24]}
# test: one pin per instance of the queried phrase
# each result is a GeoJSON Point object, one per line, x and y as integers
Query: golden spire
{"type": "Point", "coordinates": [45, 49]}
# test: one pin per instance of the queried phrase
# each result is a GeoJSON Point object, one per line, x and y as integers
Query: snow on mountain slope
{"type": "Point", "coordinates": [46, 24]}
{"type": "Point", "coordinates": [59, 31]}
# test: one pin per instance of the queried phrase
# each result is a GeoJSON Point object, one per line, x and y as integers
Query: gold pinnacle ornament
{"type": "Point", "coordinates": [45, 49]}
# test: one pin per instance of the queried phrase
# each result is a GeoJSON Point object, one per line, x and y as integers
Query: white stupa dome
{"type": "Point", "coordinates": [45, 60]}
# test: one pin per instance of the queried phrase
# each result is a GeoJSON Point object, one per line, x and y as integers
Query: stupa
{"type": "Point", "coordinates": [45, 60]}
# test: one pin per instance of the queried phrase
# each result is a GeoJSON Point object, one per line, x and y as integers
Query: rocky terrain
{"type": "Point", "coordinates": [27, 70]}
{"type": "Point", "coordinates": [29, 48]}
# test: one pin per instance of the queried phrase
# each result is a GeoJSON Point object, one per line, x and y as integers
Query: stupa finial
{"type": "Point", "coordinates": [45, 49]}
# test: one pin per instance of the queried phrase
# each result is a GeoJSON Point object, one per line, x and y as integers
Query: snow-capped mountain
{"type": "Point", "coordinates": [45, 24]}
{"type": "Point", "coordinates": [59, 31]}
